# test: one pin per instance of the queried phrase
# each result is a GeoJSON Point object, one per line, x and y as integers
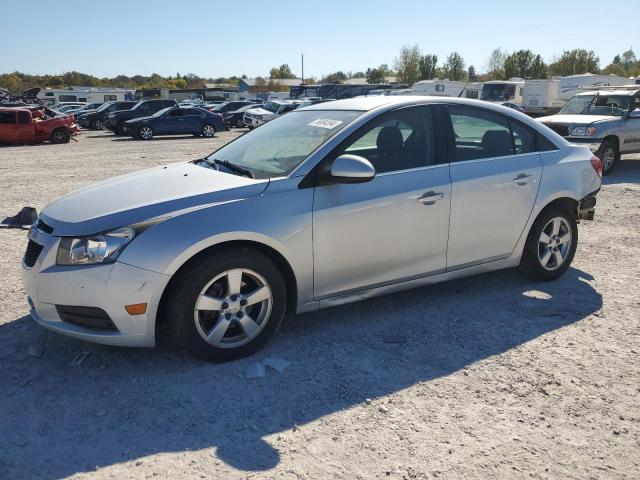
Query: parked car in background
{"type": "Point", "coordinates": [95, 119]}
{"type": "Point", "coordinates": [144, 108]}
{"type": "Point", "coordinates": [518, 108]}
{"type": "Point", "coordinates": [606, 120]}
{"type": "Point", "coordinates": [254, 117]}
{"type": "Point", "coordinates": [63, 107]}
{"type": "Point", "coordinates": [234, 118]}
{"type": "Point", "coordinates": [31, 126]}
{"type": "Point", "coordinates": [231, 106]}
{"type": "Point", "coordinates": [329, 204]}
{"type": "Point", "coordinates": [175, 121]}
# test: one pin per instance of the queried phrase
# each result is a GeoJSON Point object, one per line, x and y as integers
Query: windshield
{"type": "Point", "coordinates": [498, 92]}
{"type": "Point", "coordinates": [278, 147]}
{"type": "Point", "coordinates": [612, 105]}
{"type": "Point", "coordinates": [104, 106]}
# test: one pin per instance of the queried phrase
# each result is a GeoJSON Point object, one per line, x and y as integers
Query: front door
{"type": "Point", "coordinates": [494, 179]}
{"type": "Point", "coordinates": [394, 227]}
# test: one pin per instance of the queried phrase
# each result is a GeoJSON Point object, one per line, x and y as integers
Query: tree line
{"type": "Point", "coordinates": [410, 66]}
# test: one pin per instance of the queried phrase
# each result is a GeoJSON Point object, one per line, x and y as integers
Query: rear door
{"type": "Point", "coordinates": [24, 128]}
{"type": "Point", "coordinates": [193, 120]}
{"type": "Point", "coordinates": [495, 174]}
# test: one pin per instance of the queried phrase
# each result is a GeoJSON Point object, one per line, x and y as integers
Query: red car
{"type": "Point", "coordinates": [31, 126]}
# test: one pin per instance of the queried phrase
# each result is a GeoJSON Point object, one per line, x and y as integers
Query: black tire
{"type": "Point", "coordinates": [609, 154]}
{"type": "Point", "coordinates": [194, 277]}
{"type": "Point", "coordinates": [60, 135]}
{"type": "Point", "coordinates": [531, 263]}
{"type": "Point", "coordinates": [96, 124]}
{"type": "Point", "coordinates": [239, 123]}
{"type": "Point", "coordinates": [144, 132]}
{"type": "Point", "coordinates": [208, 131]}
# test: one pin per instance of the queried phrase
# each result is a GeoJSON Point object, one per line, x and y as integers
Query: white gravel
{"type": "Point", "coordinates": [487, 377]}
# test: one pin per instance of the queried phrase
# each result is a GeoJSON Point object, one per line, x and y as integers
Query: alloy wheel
{"type": "Point", "coordinates": [146, 133]}
{"type": "Point", "coordinates": [608, 157]}
{"type": "Point", "coordinates": [208, 131]}
{"type": "Point", "coordinates": [99, 124]}
{"type": "Point", "coordinates": [233, 308]}
{"type": "Point", "coordinates": [554, 244]}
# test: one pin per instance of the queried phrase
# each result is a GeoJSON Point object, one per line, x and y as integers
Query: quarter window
{"type": "Point", "coordinates": [8, 118]}
{"type": "Point", "coordinates": [524, 139]}
{"type": "Point", "coordinates": [479, 133]}
{"type": "Point", "coordinates": [398, 140]}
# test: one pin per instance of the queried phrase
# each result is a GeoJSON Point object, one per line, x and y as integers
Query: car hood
{"type": "Point", "coordinates": [137, 197]}
{"type": "Point", "coordinates": [574, 119]}
{"type": "Point", "coordinates": [259, 111]}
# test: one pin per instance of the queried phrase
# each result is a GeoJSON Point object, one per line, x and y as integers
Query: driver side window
{"type": "Point", "coordinates": [398, 140]}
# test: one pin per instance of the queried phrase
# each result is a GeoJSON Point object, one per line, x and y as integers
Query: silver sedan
{"type": "Point", "coordinates": [329, 204]}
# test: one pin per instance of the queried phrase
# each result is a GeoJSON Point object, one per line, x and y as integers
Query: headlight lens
{"type": "Point", "coordinates": [111, 115]}
{"type": "Point", "coordinates": [584, 131]}
{"type": "Point", "coordinates": [96, 249]}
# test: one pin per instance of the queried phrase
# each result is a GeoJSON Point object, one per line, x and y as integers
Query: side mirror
{"type": "Point", "coordinates": [634, 113]}
{"type": "Point", "coordinates": [351, 169]}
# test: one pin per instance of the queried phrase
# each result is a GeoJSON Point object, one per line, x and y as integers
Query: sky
{"type": "Point", "coordinates": [220, 39]}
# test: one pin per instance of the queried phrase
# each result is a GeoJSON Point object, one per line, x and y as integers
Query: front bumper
{"type": "Point", "coordinates": [108, 287]}
{"type": "Point", "coordinates": [592, 144]}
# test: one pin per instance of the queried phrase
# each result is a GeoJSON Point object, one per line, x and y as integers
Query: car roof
{"type": "Point", "coordinates": [366, 104]}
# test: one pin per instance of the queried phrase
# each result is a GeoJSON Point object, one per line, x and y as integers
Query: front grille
{"type": "Point", "coordinates": [89, 317]}
{"type": "Point", "coordinates": [43, 227]}
{"type": "Point", "coordinates": [562, 130]}
{"type": "Point", "coordinates": [33, 252]}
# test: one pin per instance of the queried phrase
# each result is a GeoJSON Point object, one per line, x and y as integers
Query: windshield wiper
{"type": "Point", "coordinates": [234, 168]}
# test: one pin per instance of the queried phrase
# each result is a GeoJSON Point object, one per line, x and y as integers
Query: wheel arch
{"type": "Point", "coordinates": [281, 262]}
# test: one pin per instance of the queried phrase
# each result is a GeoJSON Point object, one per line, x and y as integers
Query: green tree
{"type": "Point", "coordinates": [455, 68]}
{"type": "Point", "coordinates": [282, 72]}
{"type": "Point", "coordinates": [614, 69]}
{"type": "Point", "coordinates": [407, 64]}
{"type": "Point", "coordinates": [335, 77]}
{"type": "Point", "coordinates": [525, 64]}
{"type": "Point", "coordinates": [617, 60]}
{"type": "Point", "coordinates": [495, 64]}
{"type": "Point", "coordinates": [471, 73]}
{"type": "Point", "coordinates": [428, 66]}
{"type": "Point", "coordinates": [375, 76]}
{"type": "Point", "coordinates": [575, 62]}
{"type": "Point", "coordinates": [628, 60]}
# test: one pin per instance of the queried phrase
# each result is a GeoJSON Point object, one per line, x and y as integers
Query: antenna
{"type": "Point", "coordinates": [465, 87]}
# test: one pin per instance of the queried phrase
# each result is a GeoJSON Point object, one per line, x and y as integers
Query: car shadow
{"type": "Point", "coordinates": [626, 171]}
{"type": "Point", "coordinates": [124, 404]}
{"type": "Point", "coordinates": [164, 137]}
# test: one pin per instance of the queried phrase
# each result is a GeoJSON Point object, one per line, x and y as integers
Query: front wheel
{"type": "Point", "coordinates": [228, 304]}
{"type": "Point", "coordinates": [608, 155]}
{"type": "Point", "coordinates": [239, 123]}
{"type": "Point", "coordinates": [60, 136]}
{"type": "Point", "coordinates": [97, 124]}
{"type": "Point", "coordinates": [208, 131]}
{"type": "Point", "coordinates": [551, 245]}
{"type": "Point", "coordinates": [145, 133]}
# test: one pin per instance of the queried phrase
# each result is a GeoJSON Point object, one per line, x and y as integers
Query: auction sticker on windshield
{"type": "Point", "coordinates": [327, 123]}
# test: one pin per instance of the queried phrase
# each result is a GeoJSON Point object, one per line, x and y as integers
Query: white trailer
{"type": "Point", "coordinates": [503, 91]}
{"type": "Point", "coordinates": [542, 97]}
{"type": "Point", "coordinates": [447, 88]}
{"type": "Point", "coordinates": [572, 84]}
{"type": "Point", "coordinates": [53, 96]}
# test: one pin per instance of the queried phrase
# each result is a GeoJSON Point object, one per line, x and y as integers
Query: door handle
{"type": "Point", "coordinates": [522, 179]}
{"type": "Point", "coordinates": [431, 197]}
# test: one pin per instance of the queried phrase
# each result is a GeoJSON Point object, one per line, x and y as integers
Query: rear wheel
{"type": "Point", "coordinates": [551, 245]}
{"type": "Point", "coordinates": [239, 123]}
{"type": "Point", "coordinates": [208, 131]}
{"type": "Point", "coordinates": [60, 135]}
{"type": "Point", "coordinates": [609, 155]}
{"type": "Point", "coordinates": [97, 124]}
{"type": "Point", "coordinates": [145, 133]}
{"type": "Point", "coordinates": [227, 305]}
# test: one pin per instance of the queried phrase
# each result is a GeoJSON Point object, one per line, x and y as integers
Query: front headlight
{"type": "Point", "coordinates": [96, 249]}
{"type": "Point", "coordinates": [583, 131]}
{"type": "Point", "coordinates": [111, 115]}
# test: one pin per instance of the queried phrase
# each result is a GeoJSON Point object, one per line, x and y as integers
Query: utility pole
{"type": "Point", "coordinates": [303, 69]}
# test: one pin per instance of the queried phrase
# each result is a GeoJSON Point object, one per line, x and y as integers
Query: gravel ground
{"type": "Point", "coordinates": [493, 376]}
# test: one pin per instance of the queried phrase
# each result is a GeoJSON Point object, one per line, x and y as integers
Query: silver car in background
{"type": "Point", "coordinates": [329, 204]}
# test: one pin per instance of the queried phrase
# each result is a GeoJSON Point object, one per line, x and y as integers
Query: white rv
{"type": "Point", "coordinates": [53, 96]}
{"type": "Point", "coordinates": [447, 88]}
{"type": "Point", "coordinates": [503, 91]}
{"type": "Point", "coordinates": [573, 84]}
{"type": "Point", "coordinates": [542, 97]}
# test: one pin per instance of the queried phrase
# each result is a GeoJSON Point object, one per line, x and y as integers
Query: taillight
{"type": "Point", "coordinates": [597, 165]}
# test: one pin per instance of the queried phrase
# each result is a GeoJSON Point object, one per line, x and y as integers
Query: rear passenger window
{"type": "Point", "coordinates": [524, 138]}
{"type": "Point", "coordinates": [8, 118]}
{"type": "Point", "coordinates": [479, 133]}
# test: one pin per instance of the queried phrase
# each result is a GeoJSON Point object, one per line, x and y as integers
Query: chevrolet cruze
{"type": "Point", "coordinates": [329, 204]}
